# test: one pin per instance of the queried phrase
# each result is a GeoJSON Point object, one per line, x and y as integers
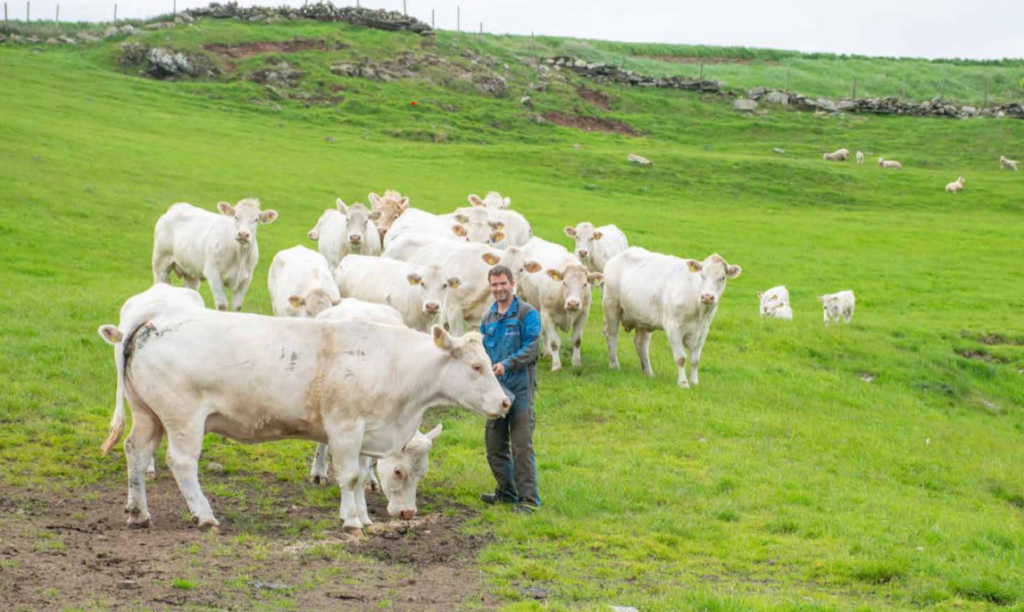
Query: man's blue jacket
{"type": "Point", "coordinates": [513, 339]}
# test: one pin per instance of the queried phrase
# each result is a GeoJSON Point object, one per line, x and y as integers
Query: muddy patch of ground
{"type": "Point", "coordinates": [595, 97]}
{"type": "Point", "coordinates": [979, 356]}
{"type": "Point", "coordinates": [71, 549]}
{"type": "Point", "coordinates": [244, 50]}
{"type": "Point", "coordinates": [590, 124]}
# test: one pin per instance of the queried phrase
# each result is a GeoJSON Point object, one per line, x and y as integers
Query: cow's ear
{"type": "Point", "coordinates": [110, 333]}
{"type": "Point", "coordinates": [342, 207]}
{"type": "Point", "coordinates": [570, 231]}
{"type": "Point", "coordinates": [595, 277]}
{"type": "Point", "coordinates": [597, 235]}
{"type": "Point", "coordinates": [760, 294]}
{"type": "Point", "coordinates": [403, 204]}
{"type": "Point", "coordinates": [694, 265]}
{"type": "Point", "coordinates": [490, 259]}
{"type": "Point", "coordinates": [413, 278]}
{"type": "Point", "coordinates": [434, 433]}
{"type": "Point", "coordinates": [373, 198]}
{"type": "Point", "coordinates": [459, 231]}
{"type": "Point", "coordinates": [461, 218]}
{"type": "Point", "coordinates": [375, 215]}
{"type": "Point", "coordinates": [226, 209]}
{"type": "Point", "coordinates": [496, 225]}
{"type": "Point", "coordinates": [821, 298]}
{"type": "Point", "coordinates": [296, 301]}
{"type": "Point", "coordinates": [314, 235]}
{"type": "Point", "coordinates": [733, 271]}
{"type": "Point", "coordinates": [497, 236]}
{"type": "Point", "coordinates": [555, 274]}
{"type": "Point", "coordinates": [532, 267]}
{"type": "Point", "coordinates": [454, 282]}
{"type": "Point", "coordinates": [442, 339]}
{"type": "Point", "coordinates": [475, 200]}
{"type": "Point", "coordinates": [268, 216]}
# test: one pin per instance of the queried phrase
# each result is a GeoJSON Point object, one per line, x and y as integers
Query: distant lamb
{"type": "Point", "coordinates": [860, 157]}
{"type": "Point", "coordinates": [890, 164]}
{"type": "Point", "coordinates": [836, 305]}
{"type": "Point", "coordinates": [956, 185]}
{"type": "Point", "coordinates": [1008, 164]}
{"type": "Point", "coordinates": [839, 156]}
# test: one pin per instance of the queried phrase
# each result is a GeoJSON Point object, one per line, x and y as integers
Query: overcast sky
{"type": "Point", "coordinates": [918, 28]}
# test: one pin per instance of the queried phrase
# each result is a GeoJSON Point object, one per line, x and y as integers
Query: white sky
{"type": "Point", "coordinates": [918, 28]}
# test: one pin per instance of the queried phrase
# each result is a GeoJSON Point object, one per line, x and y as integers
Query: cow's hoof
{"type": "Point", "coordinates": [556, 368]}
{"type": "Point", "coordinates": [613, 366]}
{"type": "Point", "coordinates": [151, 475]}
{"type": "Point", "coordinates": [134, 522]}
{"type": "Point", "coordinates": [356, 532]}
{"type": "Point", "coordinates": [210, 524]}
{"type": "Point", "coordinates": [684, 385]}
{"type": "Point", "coordinates": [319, 480]}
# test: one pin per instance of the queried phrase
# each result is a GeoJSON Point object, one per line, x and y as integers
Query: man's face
{"type": "Point", "coordinates": [501, 288]}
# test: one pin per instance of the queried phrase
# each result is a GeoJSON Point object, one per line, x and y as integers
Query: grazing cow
{"type": "Point", "coordinates": [1008, 164]}
{"type": "Point", "coordinates": [860, 157]}
{"type": "Point", "coordinates": [416, 222]}
{"type": "Point", "coordinates": [346, 230]}
{"type": "Point", "coordinates": [470, 263]}
{"type": "Point", "coordinates": [301, 284]}
{"type": "Point", "coordinates": [888, 163]}
{"type": "Point", "coordinates": [418, 293]}
{"type": "Point", "coordinates": [649, 291]}
{"type": "Point", "coordinates": [840, 155]}
{"type": "Point", "coordinates": [197, 244]}
{"type": "Point", "coordinates": [255, 378]}
{"type": "Point", "coordinates": [596, 246]}
{"type": "Point", "coordinates": [562, 295]}
{"type": "Point", "coordinates": [492, 201]}
{"type": "Point", "coordinates": [774, 299]}
{"type": "Point", "coordinates": [390, 207]}
{"type": "Point", "coordinates": [956, 185]}
{"type": "Point", "coordinates": [836, 305]}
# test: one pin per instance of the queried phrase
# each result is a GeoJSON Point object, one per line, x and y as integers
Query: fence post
{"type": "Point", "coordinates": [943, 96]}
{"type": "Point", "coordinates": [481, 28]}
{"type": "Point", "coordinates": [57, 19]}
{"type": "Point", "coordinates": [987, 83]}
{"type": "Point", "coordinates": [788, 70]}
{"type": "Point", "coordinates": [854, 96]}
{"type": "Point", "coordinates": [533, 45]}
{"type": "Point", "coordinates": [404, 10]}
{"type": "Point", "coordinates": [115, 12]}
{"type": "Point", "coordinates": [28, 11]}
{"type": "Point", "coordinates": [431, 19]}
{"type": "Point", "coordinates": [6, 27]}
{"type": "Point", "coordinates": [702, 70]}
{"type": "Point", "coordinates": [458, 19]}
{"type": "Point", "coordinates": [174, 9]}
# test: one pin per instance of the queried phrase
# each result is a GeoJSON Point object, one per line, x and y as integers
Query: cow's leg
{"type": "Point", "coordinates": [238, 295]}
{"type": "Point", "coordinates": [151, 469]}
{"type": "Point", "coordinates": [345, 442]}
{"type": "Point", "coordinates": [611, 332]}
{"type": "Point", "coordinates": [675, 342]}
{"type": "Point", "coordinates": [220, 299]}
{"type": "Point", "coordinates": [365, 467]}
{"type": "Point", "coordinates": [825, 314]}
{"type": "Point", "coordinates": [184, 446]}
{"type": "Point", "coordinates": [190, 282]}
{"type": "Point", "coordinates": [694, 362]}
{"type": "Point", "coordinates": [318, 475]}
{"type": "Point", "coordinates": [577, 337]}
{"type": "Point", "coordinates": [642, 342]}
{"type": "Point", "coordinates": [372, 484]}
{"type": "Point", "coordinates": [162, 266]}
{"type": "Point", "coordinates": [552, 339]}
{"type": "Point", "coordinates": [848, 314]}
{"type": "Point", "coordinates": [138, 450]}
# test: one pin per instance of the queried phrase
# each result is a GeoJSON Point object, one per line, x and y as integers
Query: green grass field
{"type": "Point", "coordinates": [786, 481]}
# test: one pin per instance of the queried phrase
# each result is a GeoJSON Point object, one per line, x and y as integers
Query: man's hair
{"type": "Point", "coordinates": [500, 270]}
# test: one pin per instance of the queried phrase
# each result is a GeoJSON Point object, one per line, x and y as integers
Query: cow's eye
{"type": "Point", "coordinates": [398, 474]}
{"type": "Point", "coordinates": [479, 369]}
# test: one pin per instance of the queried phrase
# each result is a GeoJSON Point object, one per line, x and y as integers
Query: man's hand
{"type": "Point", "coordinates": [498, 369]}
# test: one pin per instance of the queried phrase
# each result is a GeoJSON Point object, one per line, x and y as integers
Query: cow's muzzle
{"type": "Point", "coordinates": [707, 298]}
{"type": "Point", "coordinates": [407, 515]}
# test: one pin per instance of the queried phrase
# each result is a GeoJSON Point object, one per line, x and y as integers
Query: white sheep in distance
{"type": "Point", "coordinates": [888, 163]}
{"type": "Point", "coordinates": [1008, 164]}
{"type": "Point", "coordinates": [956, 185]}
{"type": "Point", "coordinates": [839, 156]}
{"type": "Point", "coordinates": [860, 157]}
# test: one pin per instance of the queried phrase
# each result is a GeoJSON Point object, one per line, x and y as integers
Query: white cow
{"type": "Point", "coordinates": [956, 185]}
{"type": "Point", "coordinates": [416, 222]}
{"type": "Point", "coordinates": [1008, 164]}
{"type": "Point", "coordinates": [840, 155]}
{"type": "Point", "coordinates": [301, 284]}
{"type": "Point", "coordinates": [649, 291]}
{"type": "Point", "coordinates": [352, 308]}
{"type": "Point", "coordinates": [860, 157]}
{"type": "Point", "coordinates": [492, 201]}
{"type": "Point", "coordinates": [190, 371]}
{"type": "Point", "coordinates": [516, 228]}
{"type": "Point", "coordinates": [596, 246]}
{"type": "Point", "coordinates": [418, 293]}
{"type": "Point", "coordinates": [470, 262]}
{"type": "Point", "coordinates": [346, 230]}
{"type": "Point", "coordinates": [836, 305]}
{"type": "Point", "coordinates": [773, 298]}
{"type": "Point", "coordinates": [889, 163]}
{"type": "Point", "coordinates": [197, 244]}
{"type": "Point", "coordinates": [562, 294]}
{"type": "Point", "coordinates": [389, 207]}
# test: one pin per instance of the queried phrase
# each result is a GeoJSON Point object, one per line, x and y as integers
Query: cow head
{"type": "Point", "coordinates": [401, 472]}
{"type": "Point", "coordinates": [713, 272]}
{"type": "Point", "coordinates": [359, 224]}
{"type": "Point", "coordinates": [474, 225]}
{"type": "Point", "coordinates": [313, 303]}
{"type": "Point", "coordinates": [247, 216]}
{"type": "Point", "coordinates": [585, 235]}
{"type": "Point", "coordinates": [576, 282]}
{"type": "Point", "coordinates": [387, 209]}
{"type": "Point", "coordinates": [829, 305]}
{"type": "Point", "coordinates": [434, 286]}
{"type": "Point", "coordinates": [494, 201]}
{"type": "Point", "coordinates": [467, 379]}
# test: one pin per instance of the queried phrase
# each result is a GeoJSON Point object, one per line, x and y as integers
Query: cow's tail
{"type": "Point", "coordinates": [115, 336]}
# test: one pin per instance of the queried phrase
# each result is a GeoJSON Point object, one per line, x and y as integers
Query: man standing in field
{"type": "Point", "coordinates": [511, 331]}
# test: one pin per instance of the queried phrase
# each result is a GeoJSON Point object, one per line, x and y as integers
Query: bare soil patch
{"type": "Point", "coordinates": [979, 356]}
{"type": "Point", "coordinates": [595, 97]}
{"type": "Point", "coordinates": [997, 339]}
{"type": "Point", "coordinates": [71, 549]}
{"type": "Point", "coordinates": [590, 124]}
{"type": "Point", "coordinates": [244, 50]}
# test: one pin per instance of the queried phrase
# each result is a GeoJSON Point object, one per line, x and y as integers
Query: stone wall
{"type": "Point", "coordinates": [321, 11]}
{"type": "Point", "coordinates": [611, 73]}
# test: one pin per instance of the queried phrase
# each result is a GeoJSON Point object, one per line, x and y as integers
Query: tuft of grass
{"type": "Point", "coordinates": [183, 584]}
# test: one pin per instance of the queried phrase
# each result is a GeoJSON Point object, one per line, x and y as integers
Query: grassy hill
{"type": "Point", "coordinates": [875, 466]}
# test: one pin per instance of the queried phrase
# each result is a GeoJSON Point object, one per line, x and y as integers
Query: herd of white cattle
{"type": "Point", "coordinates": [370, 332]}
{"type": "Point", "coordinates": [841, 155]}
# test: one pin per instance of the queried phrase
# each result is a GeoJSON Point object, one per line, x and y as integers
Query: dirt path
{"type": "Point", "coordinates": [275, 549]}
